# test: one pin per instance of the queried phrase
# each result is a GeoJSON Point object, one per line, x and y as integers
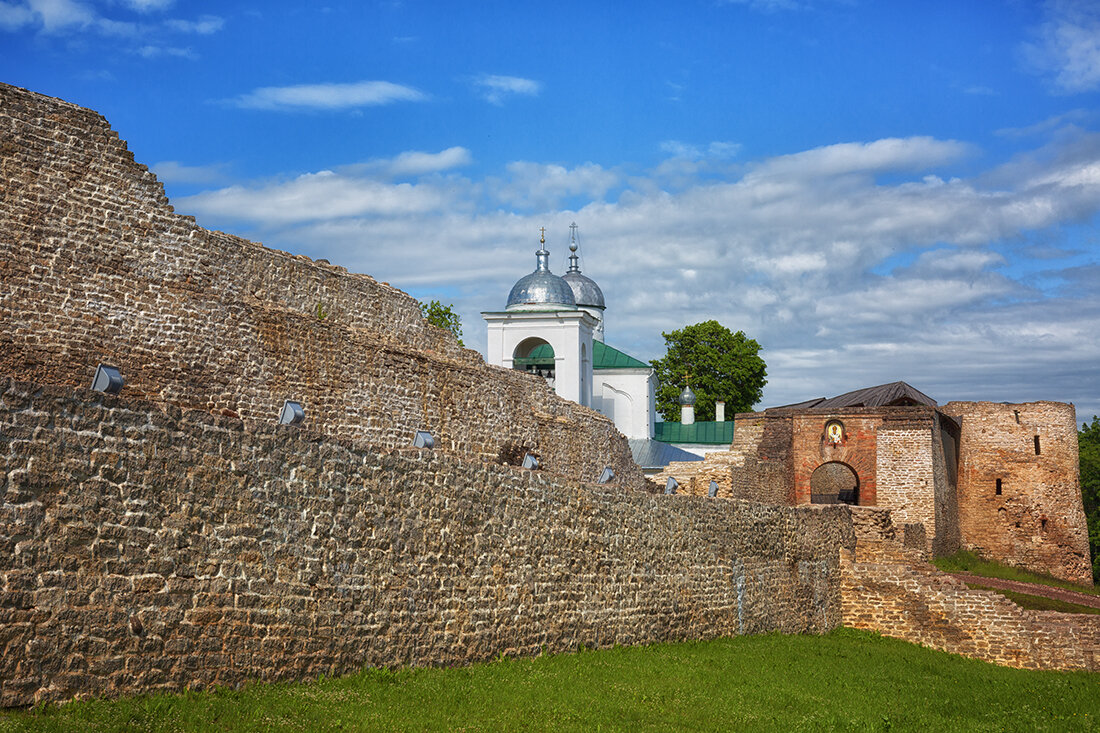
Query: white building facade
{"type": "Point", "coordinates": [554, 327]}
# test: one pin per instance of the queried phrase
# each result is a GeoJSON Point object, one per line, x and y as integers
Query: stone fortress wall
{"type": "Point", "coordinates": [144, 549]}
{"type": "Point", "coordinates": [96, 267]}
{"type": "Point", "coordinates": [173, 536]}
{"type": "Point", "coordinates": [889, 587]}
{"type": "Point", "coordinates": [1020, 488]}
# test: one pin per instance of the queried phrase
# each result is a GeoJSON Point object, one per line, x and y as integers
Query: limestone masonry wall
{"type": "Point", "coordinates": [1036, 519]}
{"type": "Point", "coordinates": [96, 267]}
{"type": "Point", "coordinates": [145, 548]}
{"type": "Point", "coordinates": [889, 588]}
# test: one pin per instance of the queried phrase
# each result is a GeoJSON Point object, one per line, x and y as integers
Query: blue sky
{"type": "Point", "coordinates": [874, 191]}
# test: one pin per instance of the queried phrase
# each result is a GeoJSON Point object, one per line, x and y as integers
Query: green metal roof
{"type": "Point", "coordinates": [541, 354]}
{"type": "Point", "coordinates": [603, 357]}
{"type": "Point", "coordinates": [712, 433]}
{"type": "Point", "coordinates": [606, 357]}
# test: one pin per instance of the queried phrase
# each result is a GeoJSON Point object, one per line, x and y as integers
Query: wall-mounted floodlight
{"type": "Point", "coordinates": [713, 490]}
{"type": "Point", "coordinates": [606, 476]}
{"type": "Point", "coordinates": [292, 413]}
{"type": "Point", "coordinates": [423, 439]}
{"type": "Point", "coordinates": [530, 462]}
{"type": "Point", "coordinates": [671, 485]}
{"type": "Point", "coordinates": [107, 379]}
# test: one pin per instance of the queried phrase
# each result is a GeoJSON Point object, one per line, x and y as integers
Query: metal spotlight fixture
{"type": "Point", "coordinates": [671, 485]}
{"type": "Point", "coordinates": [606, 476]}
{"type": "Point", "coordinates": [423, 439]}
{"type": "Point", "coordinates": [530, 462]}
{"type": "Point", "coordinates": [292, 413]}
{"type": "Point", "coordinates": [713, 490]}
{"type": "Point", "coordinates": [107, 379]}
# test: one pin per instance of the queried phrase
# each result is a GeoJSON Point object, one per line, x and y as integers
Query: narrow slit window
{"type": "Point", "coordinates": [998, 487]}
{"type": "Point", "coordinates": [1037, 451]}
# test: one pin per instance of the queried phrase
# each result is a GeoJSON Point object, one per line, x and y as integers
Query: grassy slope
{"type": "Point", "coordinates": [1038, 603]}
{"type": "Point", "coordinates": [846, 680]}
{"type": "Point", "coordinates": [968, 562]}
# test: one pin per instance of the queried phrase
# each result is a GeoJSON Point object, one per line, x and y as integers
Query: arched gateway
{"type": "Point", "coordinates": [834, 483]}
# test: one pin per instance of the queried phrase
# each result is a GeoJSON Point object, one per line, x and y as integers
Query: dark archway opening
{"type": "Point", "coordinates": [834, 483]}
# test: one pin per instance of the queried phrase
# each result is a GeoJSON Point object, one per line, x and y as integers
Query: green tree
{"type": "Point", "coordinates": [443, 316]}
{"type": "Point", "coordinates": [719, 365]}
{"type": "Point", "coordinates": [1088, 441]}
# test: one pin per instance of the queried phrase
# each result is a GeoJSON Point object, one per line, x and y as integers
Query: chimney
{"type": "Point", "coordinates": [720, 411]}
{"type": "Point", "coordinates": [687, 407]}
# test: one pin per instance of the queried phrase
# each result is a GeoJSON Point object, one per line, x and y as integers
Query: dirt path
{"type": "Point", "coordinates": [1032, 589]}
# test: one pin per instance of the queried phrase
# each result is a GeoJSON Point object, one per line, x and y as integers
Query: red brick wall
{"type": "Point", "coordinates": [1038, 520]}
{"type": "Point", "coordinates": [810, 449]}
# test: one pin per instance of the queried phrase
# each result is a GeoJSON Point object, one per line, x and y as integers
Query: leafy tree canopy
{"type": "Point", "coordinates": [443, 316]}
{"type": "Point", "coordinates": [718, 364]}
{"type": "Point", "coordinates": [1088, 441]}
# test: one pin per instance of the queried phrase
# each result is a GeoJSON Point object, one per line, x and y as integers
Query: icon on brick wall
{"type": "Point", "coordinates": [834, 432]}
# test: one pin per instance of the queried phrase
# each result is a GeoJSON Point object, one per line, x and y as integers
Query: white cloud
{"type": "Point", "coordinates": [71, 16]}
{"type": "Point", "coordinates": [1068, 46]}
{"type": "Point", "coordinates": [205, 25]}
{"type": "Point", "coordinates": [412, 163]}
{"type": "Point", "coordinates": [57, 15]}
{"type": "Point", "coordinates": [539, 185]}
{"type": "Point", "coordinates": [494, 88]}
{"type": "Point", "coordinates": [979, 90]}
{"type": "Point", "coordinates": [313, 196]}
{"type": "Point", "coordinates": [717, 149]}
{"type": "Point", "coordinates": [152, 52]}
{"type": "Point", "coordinates": [797, 252]}
{"type": "Point", "coordinates": [14, 16]}
{"type": "Point", "coordinates": [768, 6]}
{"type": "Point", "coordinates": [171, 171]}
{"type": "Point", "coordinates": [1050, 123]}
{"type": "Point", "coordinates": [328, 96]}
{"type": "Point", "coordinates": [880, 156]}
{"type": "Point", "coordinates": [147, 6]}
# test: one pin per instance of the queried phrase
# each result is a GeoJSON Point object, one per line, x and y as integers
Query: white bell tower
{"type": "Point", "coordinates": [542, 331]}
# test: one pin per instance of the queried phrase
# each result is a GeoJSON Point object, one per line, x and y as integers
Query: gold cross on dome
{"type": "Point", "coordinates": [542, 232]}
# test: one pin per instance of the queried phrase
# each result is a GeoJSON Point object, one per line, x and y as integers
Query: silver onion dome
{"type": "Point", "coordinates": [585, 290]}
{"type": "Point", "coordinates": [542, 289]}
{"type": "Point", "coordinates": [687, 397]}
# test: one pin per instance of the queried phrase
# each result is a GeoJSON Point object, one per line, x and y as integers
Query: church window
{"type": "Point", "coordinates": [1037, 451]}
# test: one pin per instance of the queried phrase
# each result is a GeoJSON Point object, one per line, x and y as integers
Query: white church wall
{"type": "Point", "coordinates": [569, 333]}
{"type": "Point", "coordinates": [700, 449]}
{"type": "Point", "coordinates": [626, 396]}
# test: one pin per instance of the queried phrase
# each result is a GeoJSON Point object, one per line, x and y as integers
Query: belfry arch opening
{"type": "Point", "coordinates": [834, 483]}
{"type": "Point", "coordinates": [536, 356]}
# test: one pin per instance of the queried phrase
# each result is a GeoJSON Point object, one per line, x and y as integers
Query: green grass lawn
{"type": "Point", "coordinates": [847, 680]}
{"type": "Point", "coordinates": [968, 562]}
